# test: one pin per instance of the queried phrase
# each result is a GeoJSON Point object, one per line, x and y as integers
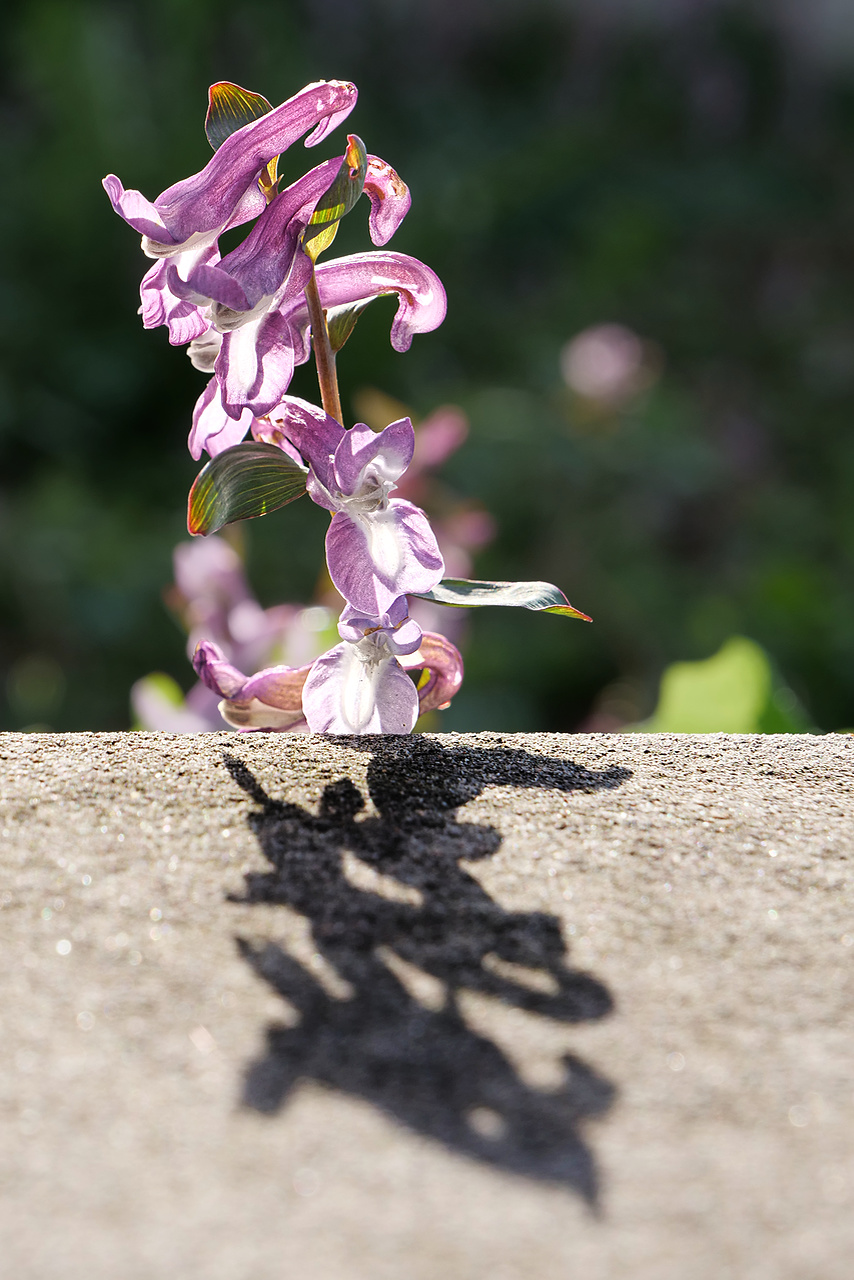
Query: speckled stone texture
{"type": "Point", "coordinates": [436, 1008]}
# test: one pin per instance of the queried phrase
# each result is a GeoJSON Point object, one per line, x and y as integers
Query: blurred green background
{"type": "Point", "coordinates": [682, 175]}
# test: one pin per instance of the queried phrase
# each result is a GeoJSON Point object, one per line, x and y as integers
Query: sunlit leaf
{"type": "Point", "coordinates": [461, 593]}
{"type": "Point", "coordinates": [248, 480]}
{"type": "Point", "coordinates": [229, 109]}
{"type": "Point", "coordinates": [341, 321]}
{"type": "Point", "coordinates": [734, 691]}
{"type": "Point", "coordinates": [338, 199]}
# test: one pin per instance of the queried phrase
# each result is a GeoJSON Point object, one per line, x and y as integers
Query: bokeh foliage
{"type": "Point", "coordinates": [694, 182]}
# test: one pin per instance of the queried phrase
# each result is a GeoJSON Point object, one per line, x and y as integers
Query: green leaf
{"type": "Point", "coordinates": [461, 593]}
{"type": "Point", "coordinates": [248, 480]}
{"type": "Point", "coordinates": [341, 321]}
{"type": "Point", "coordinates": [734, 691]}
{"type": "Point", "coordinates": [338, 200]}
{"type": "Point", "coordinates": [229, 109]}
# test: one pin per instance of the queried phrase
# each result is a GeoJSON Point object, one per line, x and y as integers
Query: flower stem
{"type": "Point", "coordinates": [324, 356]}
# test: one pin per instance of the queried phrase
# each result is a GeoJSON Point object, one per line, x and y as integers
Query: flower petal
{"type": "Point", "coordinates": [345, 693]}
{"type": "Point", "coordinates": [275, 427]}
{"type": "Point", "coordinates": [384, 455]}
{"type": "Point", "coordinates": [277, 687]}
{"type": "Point", "coordinates": [215, 671]}
{"type": "Point", "coordinates": [260, 265]}
{"type": "Point", "coordinates": [389, 197]}
{"type": "Point", "coordinates": [138, 212]}
{"type": "Point", "coordinates": [255, 365]}
{"type": "Point", "coordinates": [253, 714]}
{"type": "Point", "coordinates": [401, 633]}
{"type": "Point", "coordinates": [213, 429]}
{"type": "Point", "coordinates": [374, 560]}
{"type": "Point", "coordinates": [444, 662]}
{"type": "Point", "coordinates": [362, 276]}
{"type": "Point", "coordinates": [204, 350]}
{"type": "Point", "coordinates": [207, 283]}
{"type": "Point", "coordinates": [161, 306]}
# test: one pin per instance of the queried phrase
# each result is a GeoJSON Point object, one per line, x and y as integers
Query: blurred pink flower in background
{"type": "Point", "coordinates": [608, 364]}
{"type": "Point", "coordinates": [212, 600]}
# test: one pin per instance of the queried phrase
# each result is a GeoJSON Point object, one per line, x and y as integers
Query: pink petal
{"type": "Point", "coordinates": [344, 694]}
{"type": "Point", "coordinates": [272, 699]}
{"type": "Point", "coordinates": [445, 664]}
{"type": "Point", "coordinates": [389, 197]}
{"type": "Point", "coordinates": [385, 454]}
{"type": "Point", "coordinates": [213, 429]}
{"type": "Point", "coordinates": [255, 365]}
{"type": "Point", "coordinates": [259, 266]}
{"type": "Point", "coordinates": [375, 560]}
{"type": "Point", "coordinates": [341, 281]}
{"type": "Point", "coordinates": [314, 434]}
{"type": "Point", "coordinates": [254, 714]}
{"type": "Point", "coordinates": [161, 306]}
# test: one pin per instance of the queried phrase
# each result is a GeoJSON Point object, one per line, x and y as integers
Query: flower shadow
{"type": "Point", "coordinates": [419, 1061]}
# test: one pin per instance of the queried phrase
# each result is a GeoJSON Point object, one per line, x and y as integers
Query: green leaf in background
{"type": "Point", "coordinates": [248, 480]}
{"type": "Point", "coordinates": [542, 597]}
{"type": "Point", "coordinates": [734, 691]}
{"type": "Point", "coordinates": [338, 200]}
{"type": "Point", "coordinates": [341, 321]}
{"type": "Point", "coordinates": [229, 109]}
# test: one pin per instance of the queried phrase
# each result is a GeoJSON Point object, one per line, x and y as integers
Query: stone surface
{"type": "Point", "coordinates": [435, 1008]}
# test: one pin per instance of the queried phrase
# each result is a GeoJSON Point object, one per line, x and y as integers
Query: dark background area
{"type": "Point", "coordinates": [684, 171]}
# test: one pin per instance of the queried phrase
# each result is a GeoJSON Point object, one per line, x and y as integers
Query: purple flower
{"type": "Point", "coordinates": [362, 685]}
{"type": "Point", "coordinates": [359, 686]}
{"type": "Point", "coordinates": [226, 192]}
{"type": "Point", "coordinates": [377, 547]}
{"type": "Point", "coordinates": [185, 222]}
{"type": "Point", "coordinates": [272, 699]}
{"type": "Point", "coordinates": [212, 427]}
{"type": "Point", "coordinates": [255, 361]}
{"type": "Point", "coordinates": [254, 272]}
{"type": "Point", "coordinates": [254, 296]}
{"type": "Point", "coordinates": [283, 336]}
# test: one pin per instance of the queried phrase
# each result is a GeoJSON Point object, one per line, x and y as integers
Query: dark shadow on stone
{"type": "Point", "coordinates": [425, 1067]}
